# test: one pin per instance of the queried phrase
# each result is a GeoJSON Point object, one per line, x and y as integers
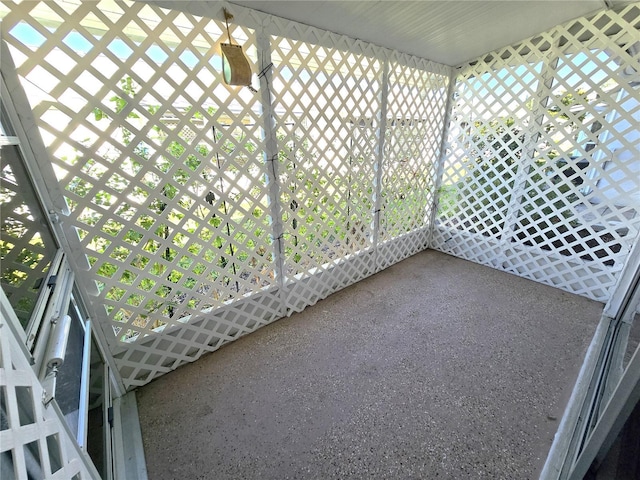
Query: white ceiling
{"type": "Point", "coordinates": [445, 31]}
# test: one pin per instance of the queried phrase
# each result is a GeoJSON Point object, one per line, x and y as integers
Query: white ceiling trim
{"type": "Point", "coordinates": [451, 32]}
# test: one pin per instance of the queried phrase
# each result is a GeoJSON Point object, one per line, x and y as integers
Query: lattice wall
{"type": "Point", "coordinates": [542, 169]}
{"type": "Point", "coordinates": [200, 219]}
{"type": "Point", "coordinates": [198, 230]}
{"type": "Point", "coordinates": [415, 121]}
{"type": "Point", "coordinates": [327, 104]}
{"type": "Point", "coordinates": [34, 442]}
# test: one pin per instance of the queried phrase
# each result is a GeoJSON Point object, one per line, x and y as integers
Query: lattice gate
{"type": "Point", "coordinates": [541, 173]}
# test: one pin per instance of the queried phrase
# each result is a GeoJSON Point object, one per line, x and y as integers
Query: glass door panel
{"type": "Point", "coordinates": [27, 245]}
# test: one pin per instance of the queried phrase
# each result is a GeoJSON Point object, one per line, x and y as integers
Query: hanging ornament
{"type": "Point", "coordinates": [236, 69]}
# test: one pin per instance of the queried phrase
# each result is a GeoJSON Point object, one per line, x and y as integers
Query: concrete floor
{"type": "Point", "coordinates": [434, 368]}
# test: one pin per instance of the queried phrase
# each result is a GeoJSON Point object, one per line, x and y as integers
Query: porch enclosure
{"type": "Point", "coordinates": [194, 213]}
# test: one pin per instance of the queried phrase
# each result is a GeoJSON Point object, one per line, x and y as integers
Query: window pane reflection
{"type": "Point", "coordinates": [27, 246]}
{"type": "Point", "coordinates": [70, 373]}
{"type": "Point", "coordinates": [96, 445]}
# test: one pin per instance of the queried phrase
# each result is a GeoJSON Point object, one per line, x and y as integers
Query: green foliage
{"type": "Point", "coordinates": [325, 209]}
{"type": "Point", "coordinates": [566, 99]}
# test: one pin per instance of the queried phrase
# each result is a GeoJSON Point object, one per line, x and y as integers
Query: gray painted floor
{"type": "Point", "coordinates": [434, 368]}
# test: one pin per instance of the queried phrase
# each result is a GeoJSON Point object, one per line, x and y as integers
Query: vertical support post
{"type": "Point", "coordinates": [448, 109]}
{"type": "Point", "coordinates": [377, 168]}
{"type": "Point", "coordinates": [542, 98]}
{"type": "Point", "coordinates": [271, 161]}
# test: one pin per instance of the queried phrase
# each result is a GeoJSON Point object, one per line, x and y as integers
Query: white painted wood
{"type": "Point", "coordinates": [574, 216]}
{"type": "Point", "coordinates": [379, 161]}
{"type": "Point", "coordinates": [29, 422]}
{"type": "Point", "coordinates": [449, 32]}
{"type": "Point", "coordinates": [177, 222]}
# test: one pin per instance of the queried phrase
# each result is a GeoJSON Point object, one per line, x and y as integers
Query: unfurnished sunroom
{"type": "Point", "coordinates": [152, 213]}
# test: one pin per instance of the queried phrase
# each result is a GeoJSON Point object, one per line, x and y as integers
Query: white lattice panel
{"type": "Point", "coordinates": [168, 180]}
{"type": "Point", "coordinates": [26, 247]}
{"type": "Point", "coordinates": [164, 174]}
{"type": "Point", "coordinates": [172, 195]}
{"type": "Point", "coordinates": [542, 170]}
{"type": "Point", "coordinates": [415, 119]}
{"type": "Point", "coordinates": [143, 361]}
{"type": "Point", "coordinates": [326, 103]}
{"type": "Point", "coordinates": [33, 440]}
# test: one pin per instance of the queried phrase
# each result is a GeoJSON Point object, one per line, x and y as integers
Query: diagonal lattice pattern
{"type": "Point", "coordinates": [168, 180]}
{"type": "Point", "coordinates": [543, 156]}
{"type": "Point", "coordinates": [326, 147]}
{"type": "Point", "coordinates": [27, 247]}
{"type": "Point", "coordinates": [171, 191]}
{"type": "Point", "coordinates": [164, 175]}
{"type": "Point", "coordinates": [326, 104]}
{"type": "Point", "coordinates": [335, 208]}
{"type": "Point", "coordinates": [415, 120]}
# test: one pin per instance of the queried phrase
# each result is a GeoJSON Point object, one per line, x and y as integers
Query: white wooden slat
{"type": "Point", "coordinates": [29, 423]}
{"type": "Point", "coordinates": [177, 220]}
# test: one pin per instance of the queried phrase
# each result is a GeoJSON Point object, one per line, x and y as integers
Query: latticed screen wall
{"type": "Point", "coordinates": [327, 107]}
{"type": "Point", "coordinates": [541, 173]}
{"type": "Point", "coordinates": [202, 219]}
{"type": "Point", "coordinates": [415, 123]}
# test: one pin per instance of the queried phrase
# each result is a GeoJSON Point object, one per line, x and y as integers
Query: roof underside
{"type": "Point", "coordinates": [449, 32]}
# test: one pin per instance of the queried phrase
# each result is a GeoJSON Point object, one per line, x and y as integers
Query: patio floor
{"type": "Point", "coordinates": [433, 368]}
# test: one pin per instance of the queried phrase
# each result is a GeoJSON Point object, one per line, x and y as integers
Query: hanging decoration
{"type": "Point", "coordinates": [236, 69]}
